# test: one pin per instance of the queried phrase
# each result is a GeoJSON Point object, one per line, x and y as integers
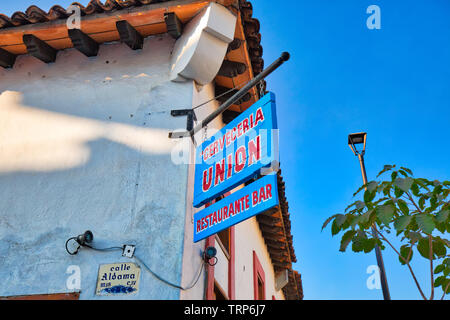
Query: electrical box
{"type": "Point", "coordinates": [128, 250]}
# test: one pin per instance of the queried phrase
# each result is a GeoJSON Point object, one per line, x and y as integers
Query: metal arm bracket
{"type": "Point", "coordinates": [191, 117]}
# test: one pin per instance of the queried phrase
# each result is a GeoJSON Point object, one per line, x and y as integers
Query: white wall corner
{"type": "Point", "coordinates": [199, 52]}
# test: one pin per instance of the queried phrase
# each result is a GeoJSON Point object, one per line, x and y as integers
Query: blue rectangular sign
{"type": "Point", "coordinates": [237, 152]}
{"type": "Point", "coordinates": [245, 203]}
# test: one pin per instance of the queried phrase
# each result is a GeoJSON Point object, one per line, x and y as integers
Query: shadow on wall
{"type": "Point", "coordinates": [41, 140]}
{"type": "Point", "coordinates": [64, 174]}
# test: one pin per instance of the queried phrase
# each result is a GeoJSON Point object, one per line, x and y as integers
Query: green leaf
{"type": "Point", "coordinates": [442, 216]}
{"type": "Point", "coordinates": [348, 221]}
{"type": "Point", "coordinates": [446, 242]}
{"type": "Point", "coordinates": [423, 183]}
{"type": "Point", "coordinates": [445, 193]}
{"type": "Point", "coordinates": [424, 248]}
{"type": "Point", "coordinates": [446, 261]}
{"type": "Point", "coordinates": [328, 220]}
{"type": "Point", "coordinates": [439, 281]}
{"type": "Point", "coordinates": [437, 190]}
{"type": "Point", "coordinates": [334, 228]}
{"type": "Point", "coordinates": [407, 170]}
{"type": "Point", "coordinates": [387, 190]}
{"type": "Point", "coordinates": [445, 286]}
{"type": "Point", "coordinates": [346, 238]}
{"type": "Point", "coordinates": [441, 227]}
{"type": "Point", "coordinates": [439, 248]}
{"type": "Point", "coordinates": [340, 219]}
{"type": "Point", "coordinates": [403, 206]}
{"type": "Point", "coordinates": [355, 221]}
{"type": "Point", "coordinates": [422, 202]}
{"type": "Point", "coordinates": [415, 189]}
{"type": "Point", "coordinates": [369, 244]}
{"type": "Point", "coordinates": [404, 184]}
{"type": "Point", "coordinates": [425, 222]}
{"type": "Point", "coordinates": [403, 173]}
{"type": "Point", "coordinates": [404, 253]}
{"type": "Point", "coordinates": [394, 175]}
{"type": "Point", "coordinates": [369, 196]}
{"type": "Point", "coordinates": [358, 241]}
{"type": "Point", "coordinates": [365, 217]}
{"type": "Point", "coordinates": [439, 268]}
{"type": "Point", "coordinates": [402, 222]}
{"type": "Point", "coordinates": [372, 186]}
{"type": "Point", "coordinates": [433, 203]}
{"type": "Point", "coordinates": [414, 236]}
{"type": "Point", "coordinates": [385, 213]}
{"type": "Point", "coordinates": [398, 192]}
{"type": "Point", "coordinates": [359, 205]}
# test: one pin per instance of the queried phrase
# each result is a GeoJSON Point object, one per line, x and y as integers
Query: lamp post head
{"type": "Point", "coordinates": [357, 138]}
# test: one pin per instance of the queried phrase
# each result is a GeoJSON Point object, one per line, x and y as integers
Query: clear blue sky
{"type": "Point", "coordinates": [393, 83]}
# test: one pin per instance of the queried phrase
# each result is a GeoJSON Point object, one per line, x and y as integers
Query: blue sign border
{"type": "Point", "coordinates": [267, 103]}
{"type": "Point", "coordinates": [212, 226]}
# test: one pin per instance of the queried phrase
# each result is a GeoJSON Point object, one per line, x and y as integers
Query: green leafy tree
{"type": "Point", "coordinates": [416, 210]}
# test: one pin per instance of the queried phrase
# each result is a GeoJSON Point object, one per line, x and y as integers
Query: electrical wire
{"type": "Point", "coordinates": [103, 249]}
{"type": "Point", "coordinates": [67, 249]}
{"type": "Point", "coordinates": [222, 94]}
{"type": "Point", "coordinates": [167, 282]}
{"type": "Point", "coordinates": [143, 264]}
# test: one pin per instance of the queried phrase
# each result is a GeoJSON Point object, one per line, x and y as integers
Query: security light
{"type": "Point", "coordinates": [357, 138]}
{"type": "Point", "coordinates": [210, 253]}
{"type": "Point", "coordinates": [78, 241]}
{"type": "Point", "coordinates": [85, 238]}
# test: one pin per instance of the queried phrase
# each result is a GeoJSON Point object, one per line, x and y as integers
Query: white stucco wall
{"type": "Point", "coordinates": [192, 251]}
{"type": "Point", "coordinates": [245, 244]}
{"type": "Point", "coordinates": [84, 145]}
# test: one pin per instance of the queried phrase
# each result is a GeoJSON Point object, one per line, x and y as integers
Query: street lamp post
{"type": "Point", "coordinates": [360, 138]}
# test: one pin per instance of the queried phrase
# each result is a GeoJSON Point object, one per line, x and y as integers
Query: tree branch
{"type": "Point", "coordinates": [431, 266]}
{"type": "Point", "coordinates": [412, 200]}
{"type": "Point", "coordinates": [409, 253]}
{"type": "Point", "coordinates": [445, 290]}
{"type": "Point", "coordinates": [407, 263]}
{"type": "Point", "coordinates": [430, 243]}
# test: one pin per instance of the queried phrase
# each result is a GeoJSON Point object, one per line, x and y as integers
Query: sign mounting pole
{"type": "Point", "coordinates": [284, 57]}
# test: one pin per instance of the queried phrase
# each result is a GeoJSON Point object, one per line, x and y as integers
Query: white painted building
{"type": "Point", "coordinates": [85, 118]}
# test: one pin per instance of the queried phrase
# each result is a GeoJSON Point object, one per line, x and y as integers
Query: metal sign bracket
{"type": "Point", "coordinates": [191, 117]}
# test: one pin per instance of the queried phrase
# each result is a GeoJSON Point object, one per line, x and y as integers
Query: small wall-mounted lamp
{"type": "Point", "coordinates": [209, 254]}
{"type": "Point", "coordinates": [82, 240]}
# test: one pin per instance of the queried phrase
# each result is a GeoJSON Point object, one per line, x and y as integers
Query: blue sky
{"type": "Point", "coordinates": [393, 83]}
